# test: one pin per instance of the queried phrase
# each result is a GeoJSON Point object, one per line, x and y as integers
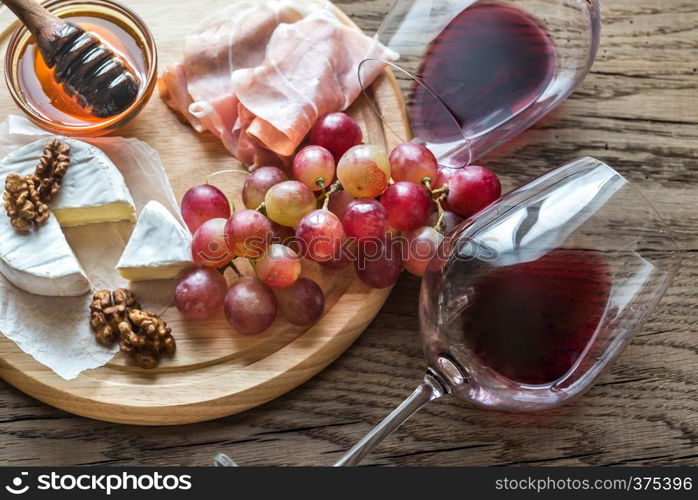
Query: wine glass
{"type": "Point", "coordinates": [477, 73]}
{"type": "Point", "coordinates": [528, 301]}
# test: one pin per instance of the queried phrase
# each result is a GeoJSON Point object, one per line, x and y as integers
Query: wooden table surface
{"type": "Point", "coordinates": [637, 110]}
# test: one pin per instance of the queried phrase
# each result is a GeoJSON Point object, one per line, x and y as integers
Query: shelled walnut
{"type": "Point", "coordinates": [26, 196]}
{"type": "Point", "coordinates": [23, 202]}
{"type": "Point", "coordinates": [108, 310]}
{"type": "Point", "coordinates": [143, 335]}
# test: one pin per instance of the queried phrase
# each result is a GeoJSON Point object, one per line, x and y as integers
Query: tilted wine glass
{"type": "Point", "coordinates": [572, 264]}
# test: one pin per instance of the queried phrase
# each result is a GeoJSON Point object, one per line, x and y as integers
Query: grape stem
{"type": "Point", "coordinates": [262, 208]}
{"type": "Point", "coordinates": [438, 196]}
{"type": "Point", "coordinates": [321, 182]}
{"type": "Point", "coordinates": [427, 184]}
{"type": "Point", "coordinates": [337, 186]}
{"type": "Point", "coordinates": [231, 266]}
{"type": "Point", "coordinates": [439, 226]}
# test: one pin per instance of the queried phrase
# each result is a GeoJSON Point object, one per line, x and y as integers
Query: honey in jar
{"type": "Point", "coordinates": [46, 98]}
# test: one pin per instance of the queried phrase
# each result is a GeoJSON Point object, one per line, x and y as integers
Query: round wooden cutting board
{"type": "Point", "coordinates": [215, 372]}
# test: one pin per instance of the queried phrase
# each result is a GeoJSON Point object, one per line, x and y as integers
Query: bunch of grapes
{"type": "Point", "coordinates": [347, 203]}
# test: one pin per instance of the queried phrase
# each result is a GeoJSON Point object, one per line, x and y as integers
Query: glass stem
{"type": "Point", "coordinates": [427, 391]}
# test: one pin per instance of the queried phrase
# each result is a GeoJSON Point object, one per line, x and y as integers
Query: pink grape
{"type": "Point", "coordinates": [472, 189]}
{"type": "Point", "coordinates": [258, 183]}
{"type": "Point", "coordinates": [320, 234]}
{"type": "Point", "coordinates": [314, 163]}
{"type": "Point", "coordinates": [422, 246]}
{"type": "Point", "coordinates": [336, 132]}
{"type": "Point", "coordinates": [250, 306]}
{"type": "Point", "coordinates": [200, 293]}
{"type": "Point", "coordinates": [407, 204]}
{"type": "Point", "coordinates": [302, 303]}
{"type": "Point", "coordinates": [364, 171]}
{"type": "Point", "coordinates": [202, 203]}
{"type": "Point", "coordinates": [247, 233]}
{"type": "Point", "coordinates": [279, 267]}
{"type": "Point", "coordinates": [412, 162]}
{"type": "Point", "coordinates": [379, 263]}
{"type": "Point", "coordinates": [288, 202]}
{"type": "Point", "coordinates": [450, 220]}
{"type": "Point", "coordinates": [339, 202]}
{"type": "Point", "coordinates": [364, 219]}
{"type": "Point", "coordinates": [208, 246]}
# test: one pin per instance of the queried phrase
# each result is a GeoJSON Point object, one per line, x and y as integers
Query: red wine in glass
{"type": "Point", "coordinates": [531, 322]}
{"type": "Point", "coordinates": [489, 63]}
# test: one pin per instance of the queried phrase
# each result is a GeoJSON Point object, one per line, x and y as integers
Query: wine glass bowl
{"type": "Point", "coordinates": [531, 299]}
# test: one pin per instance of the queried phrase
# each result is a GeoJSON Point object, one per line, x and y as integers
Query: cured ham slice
{"type": "Point", "coordinates": [200, 87]}
{"type": "Point", "coordinates": [310, 69]}
{"type": "Point", "coordinates": [261, 72]}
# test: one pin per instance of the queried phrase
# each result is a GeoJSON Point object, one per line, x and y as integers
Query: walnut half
{"type": "Point", "coordinates": [26, 196]}
{"type": "Point", "coordinates": [143, 335]}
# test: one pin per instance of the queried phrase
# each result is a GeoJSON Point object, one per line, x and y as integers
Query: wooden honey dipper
{"type": "Point", "coordinates": [84, 67]}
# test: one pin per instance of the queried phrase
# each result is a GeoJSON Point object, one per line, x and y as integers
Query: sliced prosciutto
{"type": "Point", "coordinates": [260, 75]}
{"type": "Point", "coordinates": [200, 87]}
{"type": "Point", "coordinates": [311, 68]}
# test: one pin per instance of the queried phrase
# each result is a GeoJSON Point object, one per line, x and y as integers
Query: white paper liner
{"type": "Point", "coordinates": [55, 330]}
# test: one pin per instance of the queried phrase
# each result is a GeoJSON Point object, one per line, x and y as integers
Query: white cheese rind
{"type": "Point", "coordinates": [159, 247]}
{"type": "Point", "coordinates": [93, 190]}
{"type": "Point", "coordinates": [40, 261]}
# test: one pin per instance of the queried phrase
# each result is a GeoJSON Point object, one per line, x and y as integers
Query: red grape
{"type": "Point", "coordinates": [339, 201]}
{"type": "Point", "coordinates": [364, 171]}
{"type": "Point", "coordinates": [200, 293]}
{"type": "Point", "coordinates": [407, 204]}
{"type": "Point", "coordinates": [202, 203]}
{"type": "Point", "coordinates": [472, 189]}
{"type": "Point", "coordinates": [247, 233]}
{"type": "Point", "coordinates": [313, 163]}
{"type": "Point", "coordinates": [412, 162]}
{"type": "Point", "coordinates": [336, 132]}
{"type": "Point", "coordinates": [379, 263]}
{"type": "Point", "coordinates": [302, 303]}
{"type": "Point", "coordinates": [321, 234]}
{"type": "Point", "coordinates": [422, 245]}
{"type": "Point", "coordinates": [450, 220]}
{"type": "Point", "coordinates": [250, 306]}
{"type": "Point", "coordinates": [258, 183]}
{"type": "Point", "coordinates": [288, 202]}
{"type": "Point", "coordinates": [364, 219]}
{"type": "Point", "coordinates": [208, 246]}
{"type": "Point", "coordinates": [279, 266]}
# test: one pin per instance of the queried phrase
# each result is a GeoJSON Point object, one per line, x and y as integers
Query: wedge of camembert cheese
{"type": "Point", "coordinates": [93, 190]}
{"type": "Point", "coordinates": [159, 247]}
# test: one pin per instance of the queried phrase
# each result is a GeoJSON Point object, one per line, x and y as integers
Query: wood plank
{"type": "Point", "coordinates": [636, 110]}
